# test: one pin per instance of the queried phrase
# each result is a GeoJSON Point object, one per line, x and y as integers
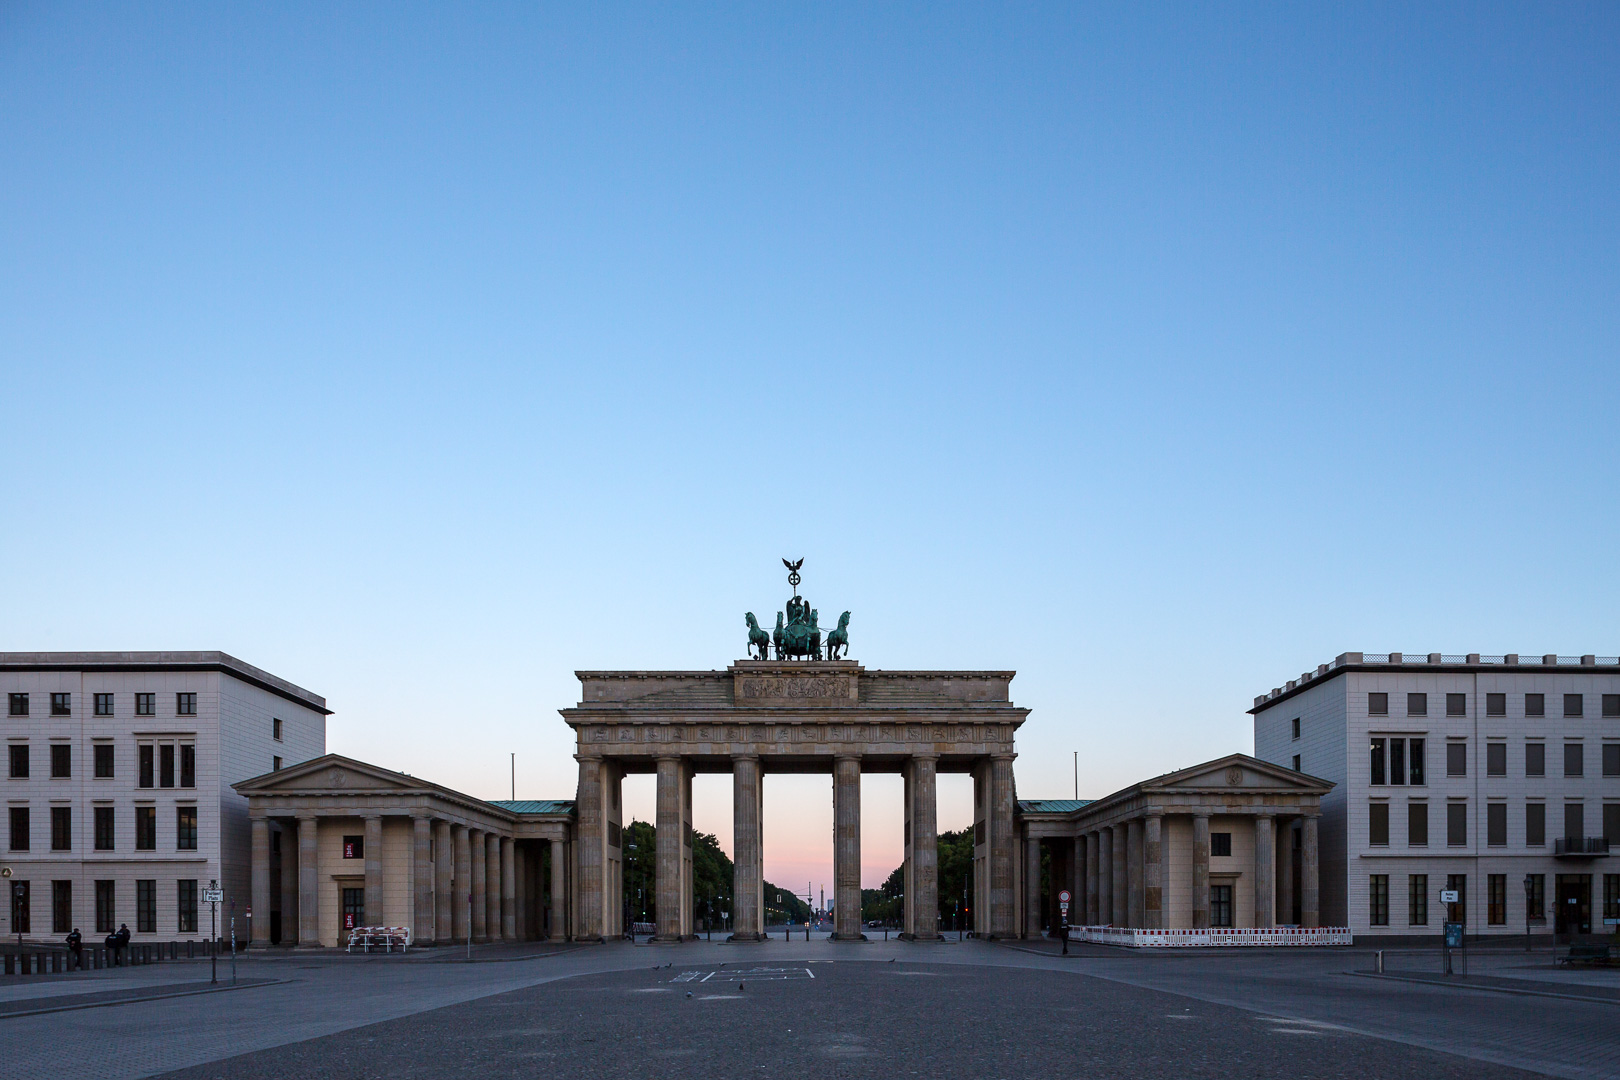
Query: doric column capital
{"type": "Point", "coordinates": [306, 815]}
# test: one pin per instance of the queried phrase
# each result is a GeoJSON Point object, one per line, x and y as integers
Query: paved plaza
{"type": "Point", "coordinates": [780, 1009]}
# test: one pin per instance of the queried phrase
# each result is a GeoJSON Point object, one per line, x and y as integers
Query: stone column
{"type": "Point", "coordinates": [1105, 876]}
{"type": "Point", "coordinates": [461, 883]}
{"type": "Point", "coordinates": [1003, 905]}
{"type": "Point", "coordinates": [668, 867]}
{"type": "Point", "coordinates": [494, 889]}
{"type": "Point", "coordinates": [1033, 913]}
{"type": "Point", "coordinates": [289, 882]}
{"type": "Point", "coordinates": [748, 880]}
{"type": "Point", "coordinates": [847, 848]}
{"type": "Point", "coordinates": [556, 931]}
{"type": "Point", "coordinates": [1121, 876]}
{"type": "Point", "coordinates": [1200, 874]}
{"type": "Point", "coordinates": [374, 872]}
{"type": "Point", "coordinates": [1153, 872]}
{"type": "Point", "coordinates": [259, 883]}
{"type": "Point", "coordinates": [309, 915]}
{"type": "Point", "coordinates": [1135, 893]}
{"type": "Point", "coordinates": [422, 929]}
{"type": "Point", "coordinates": [443, 873]}
{"type": "Point", "coordinates": [509, 884]}
{"type": "Point", "coordinates": [591, 857]}
{"type": "Point", "coordinates": [1077, 883]}
{"type": "Point", "coordinates": [1310, 874]}
{"type": "Point", "coordinates": [1265, 863]}
{"type": "Point", "coordinates": [922, 900]}
{"type": "Point", "coordinates": [479, 872]}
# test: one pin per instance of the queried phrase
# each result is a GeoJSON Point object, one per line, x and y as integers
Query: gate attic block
{"type": "Point", "coordinates": [762, 716]}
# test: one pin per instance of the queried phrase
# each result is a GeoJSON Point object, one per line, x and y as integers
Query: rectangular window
{"type": "Point", "coordinates": [166, 765]}
{"type": "Point", "coordinates": [275, 763]}
{"type": "Point", "coordinates": [21, 906]}
{"type": "Point", "coordinates": [1611, 704]}
{"type": "Point", "coordinates": [61, 760]}
{"type": "Point", "coordinates": [1456, 704]}
{"type": "Point", "coordinates": [354, 847]}
{"type": "Point", "coordinates": [145, 704]}
{"type": "Point", "coordinates": [1496, 759]}
{"type": "Point", "coordinates": [1457, 824]}
{"type": "Point", "coordinates": [146, 906]}
{"type": "Point", "coordinates": [1535, 704]}
{"type": "Point", "coordinates": [19, 828]}
{"type": "Point", "coordinates": [1378, 824]}
{"type": "Point", "coordinates": [104, 760]}
{"type": "Point", "coordinates": [1220, 905]}
{"type": "Point", "coordinates": [185, 828]}
{"type": "Point", "coordinates": [1378, 899]}
{"type": "Point", "coordinates": [186, 897]}
{"type": "Point", "coordinates": [61, 704]}
{"type": "Point", "coordinates": [1496, 899]}
{"type": "Point", "coordinates": [19, 704]}
{"type": "Point", "coordinates": [146, 828]}
{"type": "Point", "coordinates": [185, 704]}
{"type": "Point", "coordinates": [1495, 704]}
{"type": "Point", "coordinates": [1397, 761]}
{"type": "Point", "coordinates": [1417, 704]}
{"type": "Point", "coordinates": [1537, 896]}
{"type": "Point", "coordinates": [188, 765]}
{"type": "Point", "coordinates": [146, 751]}
{"type": "Point", "coordinates": [1417, 824]}
{"type": "Point", "coordinates": [1574, 820]}
{"type": "Point", "coordinates": [1573, 705]}
{"type": "Point", "coordinates": [61, 828]}
{"type": "Point", "coordinates": [1415, 765]}
{"type": "Point", "coordinates": [1458, 912]}
{"type": "Point", "coordinates": [19, 761]}
{"type": "Point", "coordinates": [61, 907]}
{"type": "Point", "coordinates": [1535, 824]}
{"type": "Point", "coordinates": [1574, 758]}
{"type": "Point", "coordinates": [1378, 704]}
{"type": "Point", "coordinates": [106, 832]}
{"type": "Point", "coordinates": [1417, 899]}
{"type": "Point", "coordinates": [104, 704]}
{"type": "Point", "coordinates": [1456, 759]}
{"type": "Point", "coordinates": [1377, 761]}
{"type": "Point", "coordinates": [1535, 759]}
{"type": "Point", "coordinates": [1611, 824]}
{"type": "Point", "coordinates": [1496, 824]}
{"type": "Point", "coordinates": [275, 728]}
{"type": "Point", "coordinates": [1611, 759]}
{"type": "Point", "coordinates": [106, 908]}
{"type": "Point", "coordinates": [1611, 896]}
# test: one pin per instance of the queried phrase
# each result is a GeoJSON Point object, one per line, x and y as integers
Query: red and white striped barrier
{"type": "Point", "coordinates": [1222, 935]}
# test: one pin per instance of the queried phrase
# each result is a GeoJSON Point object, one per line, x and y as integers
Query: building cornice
{"type": "Point", "coordinates": [165, 661]}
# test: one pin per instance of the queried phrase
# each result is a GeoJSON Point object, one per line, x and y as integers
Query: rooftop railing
{"type": "Point", "coordinates": [1430, 659]}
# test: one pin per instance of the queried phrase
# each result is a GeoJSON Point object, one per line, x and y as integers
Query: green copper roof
{"type": "Point", "coordinates": [535, 806]}
{"type": "Point", "coordinates": [1050, 806]}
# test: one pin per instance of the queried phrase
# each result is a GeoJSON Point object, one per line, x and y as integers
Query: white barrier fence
{"type": "Point", "coordinates": [386, 936]}
{"type": "Point", "coordinates": [1281, 935]}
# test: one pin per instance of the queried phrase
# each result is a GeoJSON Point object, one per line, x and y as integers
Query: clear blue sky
{"type": "Point", "coordinates": [425, 354]}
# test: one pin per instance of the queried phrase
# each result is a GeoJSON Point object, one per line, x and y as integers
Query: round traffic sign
{"type": "Point", "coordinates": [1063, 897]}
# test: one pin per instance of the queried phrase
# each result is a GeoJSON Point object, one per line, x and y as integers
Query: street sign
{"type": "Point", "coordinates": [1064, 907]}
{"type": "Point", "coordinates": [1454, 935]}
{"type": "Point", "coordinates": [1448, 896]}
{"type": "Point", "coordinates": [1063, 897]}
{"type": "Point", "coordinates": [213, 896]}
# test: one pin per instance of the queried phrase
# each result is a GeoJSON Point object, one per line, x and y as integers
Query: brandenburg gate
{"type": "Point", "coordinates": [793, 716]}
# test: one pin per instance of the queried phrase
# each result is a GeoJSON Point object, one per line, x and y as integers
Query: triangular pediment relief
{"type": "Point", "coordinates": [333, 772]}
{"type": "Point", "coordinates": [1237, 772]}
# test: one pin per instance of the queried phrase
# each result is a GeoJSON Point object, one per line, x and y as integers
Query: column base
{"type": "Point", "coordinates": [920, 937]}
{"type": "Point", "coordinates": [848, 939]}
{"type": "Point", "coordinates": [747, 939]}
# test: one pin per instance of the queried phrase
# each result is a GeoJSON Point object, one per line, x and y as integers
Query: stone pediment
{"type": "Point", "coordinates": [331, 773]}
{"type": "Point", "coordinates": [1237, 772]}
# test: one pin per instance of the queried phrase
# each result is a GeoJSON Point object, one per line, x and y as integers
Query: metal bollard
{"type": "Point", "coordinates": [1378, 961]}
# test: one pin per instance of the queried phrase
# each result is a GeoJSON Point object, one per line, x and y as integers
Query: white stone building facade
{"type": "Point", "coordinates": [118, 773]}
{"type": "Point", "coordinates": [1470, 773]}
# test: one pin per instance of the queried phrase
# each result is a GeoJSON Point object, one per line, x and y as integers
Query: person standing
{"type": "Point", "coordinates": [75, 944]}
{"type": "Point", "coordinates": [123, 939]}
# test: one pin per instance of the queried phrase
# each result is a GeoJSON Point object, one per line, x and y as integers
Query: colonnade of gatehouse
{"type": "Point", "coordinates": [831, 717]}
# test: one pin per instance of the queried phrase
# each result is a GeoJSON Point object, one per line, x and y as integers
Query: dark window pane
{"type": "Point", "coordinates": [1535, 759]}
{"type": "Point", "coordinates": [19, 828]}
{"type": "Point", "coordinates": [145, 704]}
{"type": "Point", "coordinates": [1457, 824]}
{"type": "Point", "coordinates": [1496, 899]}
{"type": "Point", "coordinates": [1417, 899]}
{"type": "Point", "coordinates": [1535, 824]}
{"type": "Point", "coordinates": [1496, 759]}
{"type": "Point", "coordinates": [61, 704]}
{"type": "Point", "coordinates": [106, 907]}
{"type": "Point", "coordinates": [1496, 824]}
{"type": "Point", "coordinates": [354, 847]}
{"type": "Point", "coordinates": [61, 760]}
{"type": "Point", "coordinates": [19, 704]}
{"type": "Point", "coordinates": [61, 907]}
{"type": "Point", "coordinates": [1378, 899]}
{"type": "Point", "coordinates": [166, 765]}
{"type": "Point", "coordinates": [1377, 761]}
{"type": "Point", "coordinates": [1611, 824]}
{"type": "Point", "coordinates": [1495, 704]}
{"type": "Point", "coordinates": [185, 828]}
{"type": "Point", "coordinates": [1415, 749]}
{"type": "Point", "coordinates": [146, 906]}
{"type": "Point", "coordinates": [1378, 824]}
{"type": "Point", "coordinates": [1611, 759]}
{"type": "Point", "coordinates": [1397, 761]}
{"type": "Point", "coordinates": [1535, 705]}
{"type": "Point", "coordinates": [104, 760]}
{"type": "Point", "coordinates": [1378, 704]}
{"type": "Point", "coordinates": [1574, 820]}
{"type": "Point", "coordinates": [1458, 912]}
{"type": "Point", "coordinates": [1574, 758]}
{"type": "Point", "coordinates": [105, 831]}
{"type": "Point", "coordinates": [1456, 704]}
{"type": "Point", "coordinates": [1417, 824]}
{"type": "Point", "coordinates": [185, 704]}
{"type": "Point", "coordinates": [1573, 705]}
{"type": "Point", "coordinates": [1611, 704]}
{"type": "Point", "coordinates": [1220, 843]}
{"type": "Point", "coordinates": [188, 765]}
{"type": "Point", "coordinates": [1417, 704]}
{"type": "Point", "coordinates": [1456, 759]}
{"type": "Point", "coordinates": [61, 828]}
{"type": "Point", "coordinates": [145, 753]}
{"type": "Point", "coordinates": [187, 906]}
{"type": "Point", "coordinates": [19, 761]}
{"type": "Point", "coordinates": [104, 704]}
{"type": "Point", "coordinates": [1538, 896]}
{"type": "Point", "coordinates": [146, 828]}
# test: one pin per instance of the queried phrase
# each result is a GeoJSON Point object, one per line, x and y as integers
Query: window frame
{"type": "Point", "coordinates": [61, 703]}
{"type": "Point", "coordinates": [24, 833]}
{"type": "Point", "coordinates": [1574, 756]}
{"type": "Point", "coordinates": [1417, 703]}
{"type": "Point", "coordinates": [1377, 899]}
{"type": "Point", "coordinates": [146, 905]}
{"type": "Point", "coordinates": [1417, 810]}
{"type": "Point", "coordinates": [1495, 899]}
{"type": "Point", "coordinates": [1577, 702]}
{"type": "Point", "coordinates": [1535, 705]}
{"type": "Point", "coordinates": [105, 704]}
{"type": "Point", "coordinates": [185, 828]}
{"type": "Point", "coordinates": [1540, 745]}
{"type": "Point", "coordinates": [1417, 899]}
{"type": "Point", "coordinates": [17, 703]}
{"type": "Point", "coordinates": [1496, 824]}
{"type": "Point", "coordinates": [146, 827]}
{"type": "Point", "coordinates": [61, 828]}
{"type": "Point", "coordinates": [1495, 704]}
{"type": "Point", "coordinates": [185, 703]}
{"type": "Point", "coordinates": [1457, 824]}
{"type": "Point", "coordinates": [18, 764]}
{"type": "Point", "coordinates": [1496, 757]}
{"type": "Point", "coordinates": [146, 703]}
{"type": "Point", "coordinates": [1535, 823]}
{"type": "Point", "coordinates": [103, 752]}
{"type": "Point", "coordinates": [1378, 703]}
{"type": "Point", "coordinates": [1378, 823]}
{"type": "Point", "coordinates": [185, 915]}
{"type": "Point", "coordinates": [61, 756]}
{"type": "Point", "coordinates": [1456, 704]}
{"type": "Point", "coordinates": [105, 821]}
{"type": "Point", "coordinates": [1456, 749]}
